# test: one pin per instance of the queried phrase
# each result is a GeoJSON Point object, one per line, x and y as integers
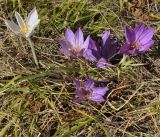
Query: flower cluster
{"type": "Point", "coordinates": [138, 40]}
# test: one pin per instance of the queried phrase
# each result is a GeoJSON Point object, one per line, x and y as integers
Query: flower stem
{"type": "Point", "coordinates": [33, 52]}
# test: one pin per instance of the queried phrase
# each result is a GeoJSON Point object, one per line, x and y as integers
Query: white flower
{"type": "Point", "coordinates": [27, 27]}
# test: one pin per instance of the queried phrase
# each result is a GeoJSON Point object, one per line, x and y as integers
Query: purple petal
{"type": "Point", "coordinates": [113, 49]}
{"type": "Point", "coordinates": [145, 37]}
{"type": "Point", "coordinates": [105, 38]}
{"type": "Point", "coordinates": [65, 48]}
{"type": "Point", "coordinates": [86, 43]}
{"type": "Point", "coordinates": [79, 38]}
{"type": "Point", "coordinates": [146, 46]}
{"type": "Point", "coordinates": [70, 37]}
{"type": "Point", "coordinates": [88, 55]}
{"type": "Point", "coordinates": [100, 90]}
{"type": "Point", "coordinates": [139, 29]}
{"type": "Point", "coordinates": [130, 35]}
{"type": "Point", "coordinates": [92, 44]}
{"type": "Point", "coordinates": [89, 84]}
{"type": "Point", "coordinates": [98, 93]}
{"type": "Point", "coordinates": [103, 63]}
{"type": "Point", "coordinates": [107, 49]}
{"type": "Point", "coordinates": [97, 98]}
{"type": "Point", "coordinates": [93, 47]}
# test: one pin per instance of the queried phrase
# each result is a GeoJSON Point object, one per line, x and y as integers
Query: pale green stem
{"type": "Point", "coordinates": [33, 52]}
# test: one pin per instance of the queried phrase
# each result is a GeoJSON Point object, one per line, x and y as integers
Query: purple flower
{"type": "Point", "coordinates": [87, 90]}
{"type": "Point", "coordinates": [138, 40]}
{"type": "Point", "coordinates": [73, 44]}
{"type": "Point", "coordinates": [102, 53]}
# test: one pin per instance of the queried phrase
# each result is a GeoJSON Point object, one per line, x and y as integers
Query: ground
{"type": "Point", "coordinates": [39, 102]}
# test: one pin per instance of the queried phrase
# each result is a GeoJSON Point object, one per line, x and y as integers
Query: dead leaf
{"type": "Point", "coordinates": [138, 9]}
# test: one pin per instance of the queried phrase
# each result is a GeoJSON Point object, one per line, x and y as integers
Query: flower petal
{"type": "Point", "coordinates": [103, 63]}
{"type": "Point", "coordinates": [130, 35]}
{"type": "Point", "coordinates": [98, 93]}
{"type": "Point", "coordinates": [89, 84]}
{"type": "Point", "coordinates": [32, 22]}
{"type": "Point", "coordinates": [69, 36]}
{"type": "Point", "coordinates": [93, 47]}
{"type": "Point", "coordinates": [112, 50]}
{"type": "Point", "coordinates": [145, 37]}
{"type": "Point", "coordinates": [86, 43]}
{"type": "Point", "coordinates": [107, 47]}
{"type": "Point", "coordinates": [139, 29]}
{"type": "Point", "coordinates": [20, 21]}
{"type": "Point", "coordinates": [65, 48]}
{"type": "Point", "coordinates": [97, 98]}
{"type": "Point", "coordinates": [32, 19]}
{"type": "Point", "coordinates": [92, 44]}
{"type": "Point", "coordinates": [105, 38]}
{"type": "Point", "coordinates": [109, 50]}
{"type": "Point", "coordinates": [14, 27]}
{"type": "Point", "coordinates": [88, 55]}
{"type": "Point", "coordinates": [146, 46]}
{"type": "Point", "coordinates": [79, 39]}
{"type": "Point", "coordinates": [100, 90]}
